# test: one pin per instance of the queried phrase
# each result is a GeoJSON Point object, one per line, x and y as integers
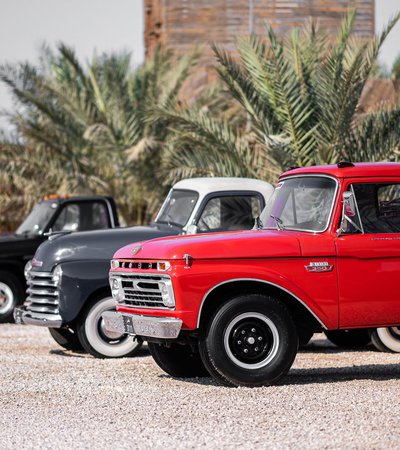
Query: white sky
{"type": "Point", "coordinates": [102, 26]}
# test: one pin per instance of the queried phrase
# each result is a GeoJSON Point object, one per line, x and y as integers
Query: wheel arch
{"type": "Point", "coordinates": [222, 292]}
{"type": "Point", "coordinates": [90, 299]}
{"type": "Point", "coordinates": [15, 268]}
{"type": "Point", "coordinates": [103, 291]}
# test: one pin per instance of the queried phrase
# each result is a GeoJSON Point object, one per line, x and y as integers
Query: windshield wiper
{"type": "Point", "coordinates": [279, 223]}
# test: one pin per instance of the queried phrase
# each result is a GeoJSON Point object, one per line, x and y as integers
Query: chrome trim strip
{"type": "Point", "coordinates": [22, 316]}
{"type": "Point", "coordinates": [358, 212]}
{"type": "Point", "coordinates": [43, 300]}
{"type": "Point", "coordinates": [45, 292]}
{"type": "Point", "coordinates": [46, 309]}
{"type": "Point", "coordinates": [332, 206]}
{"type": "Point", "coordinates": [260, 281]}
{"type": "Point", "coordinates": [110, 213]}
{"type": "Point", "coordinates": [41, 282]}
{"type": "Point", "coordinates": [34, 273]}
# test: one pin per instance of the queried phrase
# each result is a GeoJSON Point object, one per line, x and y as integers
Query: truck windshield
{"type": "Point", "coordinates": [301, 203]}
{"type": "Point", "coordinates": [177, 207]}
{"type": "Point", "coordinates": [38, 218]}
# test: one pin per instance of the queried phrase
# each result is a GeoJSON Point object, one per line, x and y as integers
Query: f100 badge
{"type": "Point", "coordinates": [319, 266]}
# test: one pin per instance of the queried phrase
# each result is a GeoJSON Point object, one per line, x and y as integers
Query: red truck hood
{"type": "Point", "coordinates": [238, 245]}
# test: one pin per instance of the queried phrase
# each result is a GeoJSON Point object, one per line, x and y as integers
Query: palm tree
{"type": "Point", "coordinates": [86, 124]}
{"type": "Point", "coordinates": [301, 97]}
{"type": "Point", "coordinates": [395, 72]}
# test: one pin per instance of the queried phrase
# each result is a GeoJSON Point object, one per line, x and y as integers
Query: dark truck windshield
{"type": "Point", "coordinates": [177, 207]}
{"type": "Point", "coordinates": [38, 218]}
{"type": "Point", "coordinates": [300, 203]}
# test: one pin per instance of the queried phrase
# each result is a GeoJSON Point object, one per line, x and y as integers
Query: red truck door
{"type": "Point", "coordinates": [368, 256]}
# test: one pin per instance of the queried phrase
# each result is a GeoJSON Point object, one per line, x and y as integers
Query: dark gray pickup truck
{"type": "Point", "coordinates": [52, 215]}
{"type": "Point", "coordinates": [68, 277]}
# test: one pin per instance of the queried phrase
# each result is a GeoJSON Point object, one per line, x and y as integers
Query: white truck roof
{"type": "Point", "coordinates": [208, 185]}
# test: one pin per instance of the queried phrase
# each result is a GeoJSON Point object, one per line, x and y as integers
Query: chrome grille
{"type": "Point", "coordinates": [142, 290]}
{"type": "Point", "coordinates": [42, 293]}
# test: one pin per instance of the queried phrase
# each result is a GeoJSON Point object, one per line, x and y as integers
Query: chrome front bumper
{"type": "Point", "coordinates": [156, 327]}
{"type": "Point", "coordinates": [22, 316]}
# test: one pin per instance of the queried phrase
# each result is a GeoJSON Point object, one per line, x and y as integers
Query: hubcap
{"type": "Point", "coordinates": [6, 298]}
{"type": "Point", "coordinates": [251, 340]}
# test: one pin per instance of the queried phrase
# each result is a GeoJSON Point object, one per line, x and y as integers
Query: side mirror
{"type": "Point", "coordinates": [191, 229]}
{"type": "Point", "coordinates": [348, 211]}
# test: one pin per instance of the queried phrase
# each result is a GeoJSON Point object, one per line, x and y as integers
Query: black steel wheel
{"type": "Point", "coordinates": [11, 295]}
{"type": "Point", "coordinates": [250, 341]}
{"type": "Point", "coordinates": [349, 338]}
{"type": "Point", "coordinates": [178, 360]}
{"type": "Point", "coordinates": [386, 339]}
{"type": "Point", "coordinates": [67, 338]}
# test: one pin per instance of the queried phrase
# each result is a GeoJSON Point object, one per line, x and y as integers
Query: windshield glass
{"type": "Point", "coordinates": [178, 207]}
{"type": "Point", "coordinates": [37, 219]}
{"type": "Point", "coordinates": [301, 203]}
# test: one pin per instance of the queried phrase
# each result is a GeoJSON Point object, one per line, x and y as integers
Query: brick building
{"type": "Point", "coordinates": [181, 24]}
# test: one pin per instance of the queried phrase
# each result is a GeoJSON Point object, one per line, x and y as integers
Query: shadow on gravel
{"type": "Point", "coordinates": [67, 353]}
{"type": "Point", "coordinates": [371, 372]}
{"type": "Point", "coordinates": [75, 354]}
{"type": "Point", "coordinates": [323, 347]}
{"type": "Point", "coordinates": [203, 381]}
{"type": "Point", "coordinates": [374, 372]}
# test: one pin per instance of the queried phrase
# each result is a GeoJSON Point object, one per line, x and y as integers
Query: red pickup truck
{"type": "Point", "coordinates": [325, 256]}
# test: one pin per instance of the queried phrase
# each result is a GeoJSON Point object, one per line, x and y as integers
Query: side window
{"type": "Point", "coordinates": [379, 207]}
{"type": "Point", "coordinates": [229, 213]}
{"type": "Point", "coordinates": [100, 216]}
{"type": "Point", "coordinates": [82, 216]}
{"type": "Point", "coordinates": [68, 220]}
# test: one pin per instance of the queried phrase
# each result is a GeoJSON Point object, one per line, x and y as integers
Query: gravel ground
{"type": "Point", "coordinates": [53, 399]}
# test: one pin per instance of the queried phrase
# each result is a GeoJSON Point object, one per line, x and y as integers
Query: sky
{"type": "Point", "coordinates": [102, 26]}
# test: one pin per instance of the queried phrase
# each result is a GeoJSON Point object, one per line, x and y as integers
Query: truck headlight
{"type": "Point", "coordinates": [27, 269]}
{"type": "Point", "coordinates": [167, 293]}
{"type": "Point", "coordinates": [114, 264]}
{"type": "Point", "coordinates": [116, 289]}
{"type": "Point", "coordinates": [57, 275]}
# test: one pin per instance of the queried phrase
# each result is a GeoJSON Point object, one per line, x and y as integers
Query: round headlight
{"type": "Point", "coordinates": [57, 275]}
{"type": "Point", "coordinates": [27, 269]}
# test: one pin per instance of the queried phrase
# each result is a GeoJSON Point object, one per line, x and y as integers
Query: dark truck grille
{"type": "Point", "coordinates": [42, 293]}
{"type": "Point", "coordinates": [143, 291]}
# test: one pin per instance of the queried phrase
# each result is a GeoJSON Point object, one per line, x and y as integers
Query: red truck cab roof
{"type": "Point", "coordinates": [357, 170]}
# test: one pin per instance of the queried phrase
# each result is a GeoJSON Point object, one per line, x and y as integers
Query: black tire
{"type": "Point", "coordinates": [178, 360]}
{"type": "Point", "coordinates": [386, 339]}
{"type": "Point", "coordinates": [67, 338]}
{"type": "Point", "coordinates": [230, 349]}
{"type": "Point", "coordinates": [11, 295]}
{"type": "Point", "coordinates": [96, 340]}
{"type": "Point", "coordinates": [349, 338]}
